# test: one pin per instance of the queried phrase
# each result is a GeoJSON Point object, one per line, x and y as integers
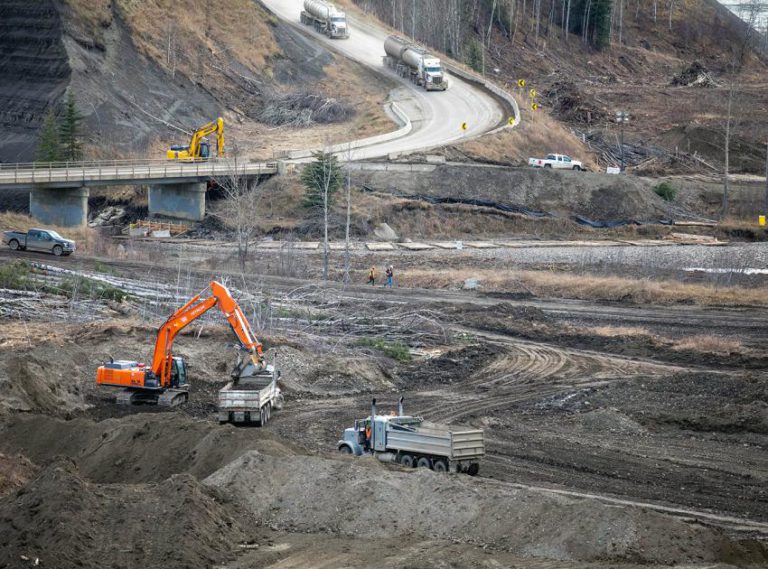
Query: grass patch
{"type": "Point", "coordinates": [557, 284]}
{"type": "Point", "coordinates": [395, 350]}
{"type": "Point", "coordinates": [83, 287]}
{"type": "Point", "coordinates": [15, 275]}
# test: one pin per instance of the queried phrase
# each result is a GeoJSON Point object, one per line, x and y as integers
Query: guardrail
{"type": "Point", "coordinates": [508, 98]}
{"type": "Point", "coordinates": [117, 170]}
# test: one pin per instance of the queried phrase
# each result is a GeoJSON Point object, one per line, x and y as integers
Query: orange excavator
{"type": "Point", "coordinates": [165, 382]}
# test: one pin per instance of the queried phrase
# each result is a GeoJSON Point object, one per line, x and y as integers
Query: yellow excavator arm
{"type": "Point", "coordinates": [198, 148]}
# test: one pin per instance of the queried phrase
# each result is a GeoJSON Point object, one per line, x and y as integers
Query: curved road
{"type": "Point", "coordinates": [436, 116]}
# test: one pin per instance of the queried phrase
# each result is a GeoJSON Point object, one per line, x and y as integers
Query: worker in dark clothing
{"type": "Point", "coordinates": [390, 275]}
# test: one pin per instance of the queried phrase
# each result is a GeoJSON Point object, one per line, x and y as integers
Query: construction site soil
{"type": "Point", "coordinates": [602, 451]}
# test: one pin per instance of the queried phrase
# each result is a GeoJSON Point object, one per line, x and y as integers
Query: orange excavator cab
{"type": "Point", "coordinates": [165, 381]}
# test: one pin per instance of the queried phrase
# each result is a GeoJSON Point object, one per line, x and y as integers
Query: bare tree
{"type": "Point", "coordinates": [241, 204]}
{"type": "Point", "coordinates": [766, 177]}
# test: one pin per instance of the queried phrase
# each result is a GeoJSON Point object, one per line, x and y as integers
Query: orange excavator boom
{"type": "Point", "coordinates": [158, 376]}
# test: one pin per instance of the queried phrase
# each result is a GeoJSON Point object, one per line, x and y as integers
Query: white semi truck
{"type": "Point", "coordinates": [415, 63]}
{"type": "Point", "coordinates": [414, 442]}
{"type": "Point", "coordinates": [325, 18]}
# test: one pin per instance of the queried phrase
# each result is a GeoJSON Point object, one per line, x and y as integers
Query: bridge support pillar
{"type": "Point", "coordinates": [65, 207]}
{"type": "Point", "coordinates": [182, 201]}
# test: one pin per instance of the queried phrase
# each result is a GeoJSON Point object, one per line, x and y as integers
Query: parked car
{"type": "Point", "coordinates": [557, 161]}
{"type": "Point", "coordinates": [45, 240]}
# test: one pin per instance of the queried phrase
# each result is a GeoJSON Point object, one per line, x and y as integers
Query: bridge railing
{"type": "Point", "coordinates": [96, 170]}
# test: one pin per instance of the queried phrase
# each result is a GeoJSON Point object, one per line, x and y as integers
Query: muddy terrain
{"type": "Point", "coordinates": [606, 446]}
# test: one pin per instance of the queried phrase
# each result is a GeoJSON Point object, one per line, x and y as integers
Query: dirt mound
{"type": "Point", "coordinates": [46, 381]}
{"type": "Point", "coordinates": [450, 367]}
{"type": "Point", "coordinates": [136, 448]}
{"type": "Point", "coordinates": [14, 472]}
{"type": "Point", "coordinates": [66, 521]}
{"type": "Point", "coordinates": [303, 372]}
{"type": "Point", "coordinates": [320, 495]}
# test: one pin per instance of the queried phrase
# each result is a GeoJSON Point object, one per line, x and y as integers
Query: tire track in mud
{"type": "Point", "coordinates": [533, 371]}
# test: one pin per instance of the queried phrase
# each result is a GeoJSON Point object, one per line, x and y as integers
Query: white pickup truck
{"type": "Point", "coordinates": [557, 161]}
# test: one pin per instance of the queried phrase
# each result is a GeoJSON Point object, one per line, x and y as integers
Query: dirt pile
{"type": "Point", "coordinates": [370, 500]}
{"type": "Point", "coordinates": [333, 374]}
{"type": "Point", "coordinates": [134, 448]}
{"type": "Point", "coordinates": [35, 380]}
{"type": "Point", "coordinates": [455, 366]}
{"type": "Point", "coordinates": [65, 521]}
{"type": "Point", "coordinates": [15, 471]}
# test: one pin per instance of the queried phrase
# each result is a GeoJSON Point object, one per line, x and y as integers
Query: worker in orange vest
{"type": "Point", "coordinates": [372, 276]}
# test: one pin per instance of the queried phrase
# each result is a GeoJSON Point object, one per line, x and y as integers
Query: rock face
{"type": "Point", "coordinates": [34, 72]}
{"type": "Point", "coordinates": [385, 232]}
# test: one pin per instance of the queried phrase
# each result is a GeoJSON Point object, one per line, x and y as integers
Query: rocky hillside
{"type": "Point", "coordinates": [140, 71]}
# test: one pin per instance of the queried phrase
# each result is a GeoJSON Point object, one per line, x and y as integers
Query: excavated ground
{"type": "Point", "coordinates": [602, 451]}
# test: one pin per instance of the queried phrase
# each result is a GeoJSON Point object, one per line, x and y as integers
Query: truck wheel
{"type": "Point", "coordinates": [473, 469]}
{"type": "Point", "coordinates": [547, 165]}
{"type": "Point", "coordinates": [344, 449]}
{"type": "Point", "coordinates": [576, 168]}
{"type": "Point", "coordinates": [423, 463]}
{"type": "Point", "coordinates": [269, 411]}
{"type": "Point", "coordinates": [439, 465]}
{"type": "Point", "coordinates": [407, 460]}
{"type": "Point", "coordinates": [262, 417]}
{"type": "Point", "coordinates": [57, 250]}
{"type": "Point", "coordinates": [14, 245]}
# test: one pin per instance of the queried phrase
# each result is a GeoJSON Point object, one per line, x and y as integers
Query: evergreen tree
{"type": "Point", "coordinates": [69, 131]}
{"type": "Point", "coordinates": [321, 178]}
{"type": "Point", "coordinates": [48, 150]}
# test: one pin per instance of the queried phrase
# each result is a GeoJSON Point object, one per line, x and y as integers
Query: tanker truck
{"type": "Point", "coordinates": [413, 62]}
{"type": "Point", "coordinates": [325, 18]}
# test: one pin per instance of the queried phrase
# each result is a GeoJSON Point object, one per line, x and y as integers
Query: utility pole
{"type": "Point", "coordinates": [622, 117]}
{"type": "Point", "coordinates": [766, 177]}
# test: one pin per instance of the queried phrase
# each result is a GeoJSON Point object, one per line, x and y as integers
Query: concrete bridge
{"type": "Point", "coordinates": [59, 191]}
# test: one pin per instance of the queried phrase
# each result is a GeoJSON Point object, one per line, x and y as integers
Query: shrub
{"type": "Point", "coordinates": [396, 350]}
{"type": "Point", "coordinates": [15, 275]}
{"type": "Point", "coordinates": [665, 191]}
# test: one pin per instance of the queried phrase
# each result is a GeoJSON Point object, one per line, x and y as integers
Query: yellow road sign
{"type": "Point", "coordinates": [532, 93]}
{"type": "Point", "coordinates": [464, 126]}
{"type": "Point", "coordinates": [534, 106]}
{"type": "Point", "coordinates": [521, 83]}
{"type": "Point", "coordinates": [761, 220]}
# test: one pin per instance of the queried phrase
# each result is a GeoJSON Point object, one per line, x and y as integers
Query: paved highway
{"type": "Point", "coordinates": [436, 116]}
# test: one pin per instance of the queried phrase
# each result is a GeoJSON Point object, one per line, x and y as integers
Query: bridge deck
{"type": "Point", "coordinates": [68, 175]}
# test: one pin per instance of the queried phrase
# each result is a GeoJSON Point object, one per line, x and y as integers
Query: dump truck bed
{"type": "Point", "coordinates": [244, 399]}
{"type": "Point", "coordinates": [454, 443]}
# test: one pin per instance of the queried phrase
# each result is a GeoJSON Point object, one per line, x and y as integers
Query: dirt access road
{"type": "Point", "coordinates": [436, 117]}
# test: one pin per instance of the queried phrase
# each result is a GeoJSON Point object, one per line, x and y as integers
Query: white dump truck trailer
{"type": "Point", "coordinates": [413, 442]}
{"type": "Point", "coordinates": [325, 18]}
{"type": "Point", "coordinates": [251, 397]}
{"type": "Point", "coordinates": [413, 62]}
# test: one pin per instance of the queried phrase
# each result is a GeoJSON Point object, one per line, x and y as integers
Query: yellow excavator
{"type": "Point", "coordinates": [199, 148]}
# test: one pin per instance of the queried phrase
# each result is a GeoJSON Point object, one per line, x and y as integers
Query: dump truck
{"type": "Point", "coordinates": [414, 63]}
{"type": "Point", "coordinates": [251, 396]}
{"type": "Point", "coordinates": [413, 442]}
{"type": "Point", "coordinates": [325, 18]}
